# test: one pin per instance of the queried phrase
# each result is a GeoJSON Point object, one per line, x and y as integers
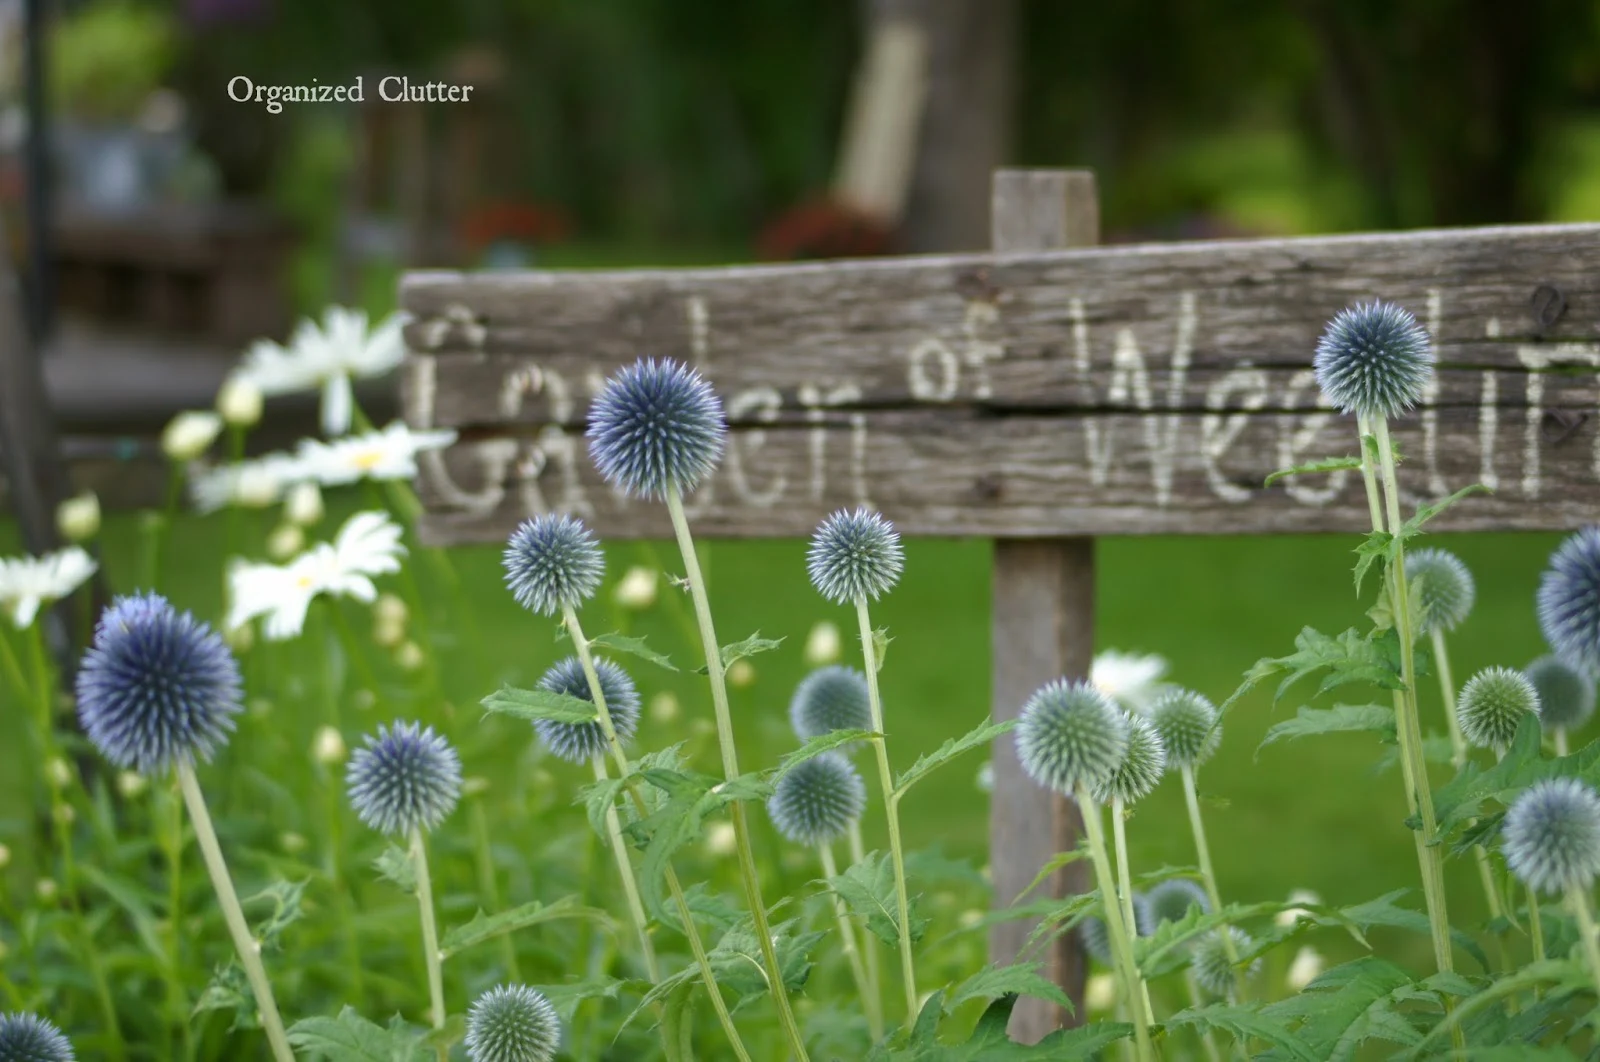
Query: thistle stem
{"type": "Point", "coordinates": [1208, 876]}
{"type": "Point", "coordinates": [1535, 926]}
{"type": "Point", "coordinates": [847, 939]}
{"type": "Point", "coordinates": [430, 932]}
{"type": "Point", "coordinates": [243, 942]}
{"type": "Point", "coordinates": [1561, 741]}
{"type": "Point", "coordinates": [858, 855]}
{"type": "Point", "coordinates": [1578, 899]}
{"type": "Point", "coordinates": [1121, 947]}
{"type": "Point", "coordinates": [1119, 843]}
{"type": "Point", "coordinates": [730, 767]}
{"type": "Point", "coordinates": [486, 881]}
{"type": "Point", "coordinates": [630, 888]}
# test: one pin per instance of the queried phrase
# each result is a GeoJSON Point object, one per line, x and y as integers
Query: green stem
{"type": "Point", "coordinates": [730, 767]}
{"type": "Point", "coordinates": [1561, 741]}
{"type": "Point", "coordinates": [1207, 1041]}
{"type": "Point", "coordinates": [243, 942]}
{"type": "Point", "coordinates": [891, 805]}
{"type": "Point", "coordinates": [858, 855]}
{"type": "Point", "coordinates": [488, 883]}
{"type": "Point", "coordinates": [352, 646]}
{"type": "Point", "coordinates": [1208, 876]}
{"type": "Point", "coordinates": [1111, 910]}
{"type": "Point", "coordinates": [1119, 843]}
{"type": "Point", "coordinates": [1535, 926]}
{"type": "Point", "coordinates": [1579, 901]}
{"type": "Point", "coordinates": [172, 842]}
{"type": "Point", "coordinates": [430, 933]}
{"type": "Point", "coordinates": [630, 888]}
{"type": "Point", "coordinates": [847, 939]}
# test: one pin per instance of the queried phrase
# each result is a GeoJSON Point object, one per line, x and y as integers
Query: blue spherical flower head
{"type": "Point", "coordinates": [1171, 900]}
{"type": "Point", "coordinates": [1189, 727]}
{"type": "Point", "coordinates": [656, 425]}
{"type": "Point", "coordinates": [582, 742]}
{"type": "Point", "coordinates": [1442, 589]}
{"type": "Point", "coordinates": [855, 555]}
{"type": "Point", "coordinates": [1141, 767]}
{"type": "Point", "coordinates": [1070, 735]}
{"type": "Point", "coordinates": [1095, 938]}
{"type": "Point", "coordinates": [1209, 960]}
{"type": "Point", "coordinates": [1492, 705]}
{"type": "Point", "coordinates": [1569, 600]}
{"type": "Point", "coordinates": [1552, 835]}
{"type": "Point", "coordinates": [830, 698]}
{"type": "Point", "coordinates": [30, 1038]}
{"type": "Point", "coordinates": [553, 563]}
{"type": "Point", "coordinates": [816, 802]}
{"type": "Point", "coordinates": [512, 1023]}
{"type": "Point", "coordinates": [1566, 695]}
{"type": "Point", "coordinates": [157, 688]}
{"type": "Point", "coordinates": [406, 778]}
{"type": "Point", "coordinates": [1373, 359]}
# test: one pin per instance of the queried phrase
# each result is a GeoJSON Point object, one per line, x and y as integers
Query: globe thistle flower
{"type": "Point", "coordinates": [582, 742]}
{"type": "Point", "coordinates": [553, 563]}
{"type": "Point", "coordinates": [1566, 695]}
{"type": "Point", "coordinates": [157, 687]}
{"type": "Point", "coordinates": [1442, 589]}
{"type": "Point", "coordinates": [1552, 835]}
{"type": "Point", "coordinates": [656, 425]}
{"type": "Point", "coordinates": [1096, 939]}
{"type": "Point", "coordinates": [1491, 705]}
{"type": "Point", "coordinates": [1569, 600]}
{"type": "Point", "coordinates": [1171, 900]}
{"type": "Point", "coordinates": [512, 1023]}
{"type": "Point", "coordinates": [1373, 359]}
{"type": "Point", "coordinates": [1141, 767]}
{"type": "Point", "coordinates": [1209, 960]}
{"type": "Point", "coordinates": [1071, 734]}
{"type": "Point", "coordinates": [830, 698]}
{"type": "Point", "coordinates": [406, 778]}
{"type": "Point", "coordinates": [855, 555]}
{"type": "Point", "coordinates": [817, 801]}
{"type": "Point", "coordinates": [1188, 725]}
{"type": "Point", "coordinates": [30, 1038]}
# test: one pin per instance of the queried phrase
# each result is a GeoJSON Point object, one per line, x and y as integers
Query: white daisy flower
{"type": "Point", "coordinates": [28, 584]}
{"type": "Point", "coordinates": [367, 545]}
{"type": "Point", "coordinates": [254, 484]}
{"type": "Point", "coordinates": [328, 356]}
{"type": "Point", "coordinates": [823, 644]}
{"type": "Point", "coordinates": [637, 590]}
{"type": "Point", "coordinates": [387, 454]}
{"type": "Point", "coordinates": [1306, 967]}
{"type": "Point", "coordinates": [1131, 679]}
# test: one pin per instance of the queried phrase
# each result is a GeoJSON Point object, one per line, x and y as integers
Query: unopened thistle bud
{"type": "Point", "coordinates": [1441, 588]}
{"type": "Point", "coordinates": [1070, 735]}
{"type": "Point", "coordinates": [1566, 695]}
{"type": "Point", "coordinates": [1492, 704]}
{"type": "Point", "coordinates": [655, 426]}
{"type": "Point", "coordinates": [553, 563]}
{"type": "Point", "coordinates": [1172, 899]}
{"type": "Point", "coordinates": [1373, 359]}
{"type": "Point", "coordinates": [405, 778]}
{"type": "Point", "coordinates": [1141, 768]}
{"type": "Point", "coordinates": [1189, 727]}
{"type": "Point", "coordinates": [816, 802]}
{"type": "Point", "coordinates": [512, 1023]}
{"type": "Point", "coordinates": [582, 742]}
{"type": "Point", "coordinates": [855, 555]}
{"type": "Point", "coordinates": [1569, 601]}
{"type": "Point", "coordinates": [830, 698]}
{"type": "Point", "coordinates": [1552, 835]}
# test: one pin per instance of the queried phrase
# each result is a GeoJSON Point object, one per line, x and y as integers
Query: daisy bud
{"type": "Point", "coordinates": [327, 748]}
{"type": "Point", "coordinates": [1209, 961]}
{"type": "Point", "coordinates": [855, 555]}
{"type": "Point", "coordinates": [663, 707]}
{"type": "Point", "coordinates": [830, 698]}
{"type": "Point", "coordinates": [257, 487]}
{"type": "Point", "coordinates": [5, 856]}
{"type": "Point", "coordinates": [1373, 359]}
{"type": "Point", "coordinates": [157, 688]}
{"type": "Point", "coordinates": [582, 742]}
{"type": "Point", "coordinates": [64, 814]}
{"type": "Point", "coordinates": [29, 1038]}
{"type": "Point", "coordinates": [190, 434]}
{"type": "Point", "coordinates": [302, 506]}
{"type": "Point", "coordinates": [58, 771]}
{"type": "Point", "coordinates": [131, 784]}
{"type": "Point", "coordinates": [637, 590]}
{"type": "Point", "coordinates": [816, 802]}
{"type": "Point", "coordinates": [389, 609]}
{"type": "Point", "coordinates": [822, 644]}
{"type": "Point", "coordinates": [721, 839]}
{"type": "Point", "coordinates": [477, 785]}
{"type": "Point", "coordinates": [1100, 992]}
{"type": "Point", "coordinates": [1189, 727]}
{"type": "Point", "coordinates": [1290, 915]}
{"type": "Point", "coordinates": [656, 425]}
{"type": "Point", "coordinates": [388, 635]}
{"type": "Point", "coordinates": [1552, 835]}
{"type": "Point", "coordinates": [985, 779]}
{"type": "Point", "coordinates": [410, 657]}
{"type": "Point", "coordinates": [1566, 695]}
{"type": "Point", "coordinates": [286, 541]}
{"type": "Point", "coordinates": [1071, 734]}
{"type": "Point", "coordinates": [292, 843]}
{"type": "Point", "coordinates": [512, 1023]}
{"type": "Point", "coordinates": [1306, 967]}
{"type": "Point", "coordinates": [1441, 588]}
{"type": "Point", "coordinates": [1172, 899]}
{"type": "Point", "coordinates": [552, 563]}
{"type": "Point", "coordinates": [78, 518]}
{"type": "Point", "coordinates": [1141, 767]}
{"type": "Point", "coordinates": [239, 401]}
{"type": "Point", "coordinates": [46, 889]}
{"type": "Point", "coordinates": [1491, 705]}
{"type": "Point", "coordinates": [405, 778]}
{"type": "Point", "coordinates": [741, 673]}
{"type": "Point", "coordinates": [1569, 600]}
{"type": "Point", "coordinates": [241, 638]}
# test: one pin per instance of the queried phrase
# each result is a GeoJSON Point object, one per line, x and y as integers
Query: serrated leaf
{"type": "Point", "coordinates": [982, 735]}
{"type": "Point", "coordinates": [690, 798]}
{"type": "Point", "coordinates": [565, 998]}
{"type": "Point", "coordinates": [352, 1038]}
{"type": "Point", "coordinates": [486, 927]}
{"type": "Point", "coordinates": [1413, 527]}
{"type": "Point", "coordinates": [395, 867]}
{"type": "Point", "coordinates": [1349, 657]}
{"type": "Point", "coordinates": [1534, 974]}
{"type": "Point", "coordinates": [1340, 719]}
{"type": "Point", "coordinates": [738, 962]}
{"type": "Point", "coordinates": [880, 647]}
{"type": "Point", "coordinates": [1245, 1022]}
{"type": "Point", "coordinates": [540, 704]}
{"type": "Point", "coordinates": [867, 888]}
{"type": "Point", "coordinates": [1374, 547]}
{"type": "Point", "coordinates": [618, 642]}
{"type": "Point", "coordinates": [1523, 764]}
{"type": "Point", "coordinates": [1327, 464]}
{"type": "Point", "coordinates": [1346, 1006]}
{"type": "Point", "coordinates": [285, 898]}
{"type": "Point", "coordinates": [816, 747]}
{"type": "Point", "coordinates": [994, 981]}
{"type": "Point", "coordinates": [1383, 911]}
{"type": "Point", "coordinates": [749, 647]}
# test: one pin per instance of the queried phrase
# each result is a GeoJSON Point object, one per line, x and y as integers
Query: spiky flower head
{"type": "Point", "coordinates": [1096, 938]}
{"type": "Point", "coordinates": [1209, 960]}
{"type": "Point", "coordinates": [512, 1023]}
{"type": "Point", "coordinates": [1373, 359]}
{"type": "Point", "coordinates": [406, 778]}
{"type": "Point", "coordinates": [1566, 695]}
{"type": "Point", "coordinates": [158, 687]}
{"type": "Point", "coordinates": [1441, 588]}
{"type": "Point", "coordinates": [656, 425]}
{"type": "Point", "coordinates": [1552, 835]}
{"type": "Point", "coordinates": [553, 563]}
{"type": "Point", "coordinates": [1569, 600]}
{"type": "Point", "coordinates": [582, 742]}
{"type": "Point", "coordinates": [855, 555]}
{"type": "Point", "coordinates": [817, 801]}
{"type": "Point", "coordinates": [1070, 735]}
{"type": "Point", "coordinates": [1189, 727]}
{"type": "Point", "coordinates": [1141, 768]}
{"type": "Point", "coordinates": [1170, 900]}
{"type": "Point", "coordinates": [830, 698]}
{"type": "Point", "coordinates": [1492, 704]}
{"type": "Point", "coordinates": [30, 1038]}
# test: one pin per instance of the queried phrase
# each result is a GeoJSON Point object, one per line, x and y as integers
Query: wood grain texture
{"type": "Point", "coordinates": [1103, 391]}
{"type": "Point", "coordinates": [1043, 629]}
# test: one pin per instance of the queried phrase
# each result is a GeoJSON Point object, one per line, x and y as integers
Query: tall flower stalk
{"type": "Point", "coordinates": [1136, 775]}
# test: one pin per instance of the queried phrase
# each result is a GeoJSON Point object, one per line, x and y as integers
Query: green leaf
{"type": "Point", "coordinates": [867, 888]}
{"type": "Point", "coordinates": [352, 1038]}
{"type": "Point", "coordinates": [623, 643]}
{"type": "Point", "coordinates": [1246, 1022]}
{"type": "Point", "coordinates": [1413, 527]}
{"type": "Point", "coordinates": [285, 897]}
{"type": "Point", "coordinates": [486, 927]}
{"type": "Point", "coordinates": [1523, 764]}
{"type": "Point", "coordinates": [1374, 547]}
{"type": "Point", "coordinates": [565, 998]}
{"type": "Point", "coordinates": [880, 647]}
{"type": "Point", "coordinates": [690, 798]}
{"type": "Point", "coordinates": [540, 704]}
{"type": "Point", "coordinates": [1548, 971]}
{"type": "Point", "coordinates": [749, 647]}
{"type": "Point", "coordinates": [816, 747]}
{"type": "Point", "coordinates": [1340, 719]}
{"type": "Point", "coordinates": [1348, 1005]}
{"type": "Point", "coordinates": [738, 962]}
{"type": "Point", "coordinates": [1020, 979]}
{"type": "Point", "coordinates": [1385, 912]}
{"type": "Point", "coordinates": [596, 797]}
{"type": "Point", "coordinates": [395, 866]}
{"type": "Point", "coordinates": [1350, 657]}
{"type": "Point", "coordinates": [1327, 464]}
{"type": "Point", "coordinates": [985, 733]}
{"type": "Point", "coordinates": [126, 895]}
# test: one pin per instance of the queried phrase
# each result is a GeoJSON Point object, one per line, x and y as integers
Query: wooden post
{"type": "Point", "coordinates": [1043, 629]}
